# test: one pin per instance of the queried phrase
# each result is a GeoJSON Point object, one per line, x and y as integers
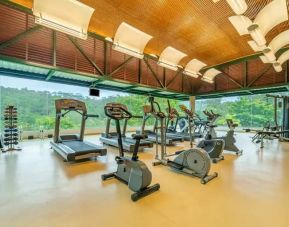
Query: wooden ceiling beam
{"type": "Point", "coordinates": [74, 42]}
{"type": "Point", "coordinates": [19, 37]}
{"type": "Point", "coordinates": [121, 65]}
{"type": "Point", "coordinates": [262, 73]}
{"type": "Point", "coordinates": [153, 73]}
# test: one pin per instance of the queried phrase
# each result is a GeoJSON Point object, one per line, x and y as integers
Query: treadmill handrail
{"type": "Point", "coordinates": [91, 115]}
{"type": "Point", "coordinates": [68, 111]}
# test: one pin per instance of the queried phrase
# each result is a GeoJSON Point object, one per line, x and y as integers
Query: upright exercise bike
{"type": "Point", "coordinates": [194, 161]}
{"type": "Point", "coordinates": [130, 170]}
{"type": "Point", "coordinates": [229, 138]}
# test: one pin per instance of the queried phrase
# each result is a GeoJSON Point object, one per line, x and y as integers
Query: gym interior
{"type": "Point", "coordinates": [144, 113]}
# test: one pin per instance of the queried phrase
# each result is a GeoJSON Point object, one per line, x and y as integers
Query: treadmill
{"type": "Point", "coordinates": [128, 143]}
{"type": "Point", "coordinates": [72, 147]}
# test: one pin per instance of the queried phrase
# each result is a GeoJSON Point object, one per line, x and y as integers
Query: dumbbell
{"type": "Point", "coordinates": [13, 118]}
{"type": "Point", "coordinates": [7, 139]}
{"type": "Point", "coordinates": [11, 130]}
{"type": "Point", "coordinates": [10, 126]}
{"type": "Point", "coordinates": [13, 134]}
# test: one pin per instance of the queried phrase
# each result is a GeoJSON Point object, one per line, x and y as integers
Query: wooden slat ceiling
{"type": "Point", "coordinates": [198, 28]}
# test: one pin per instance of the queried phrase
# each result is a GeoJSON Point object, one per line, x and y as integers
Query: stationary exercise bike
{"type": "Point", "coordinates": [213, 147]}
{"type": "Point", "coordinates": [130, 170]}
{"type": "Point", "coordinates": [194, 161]}
{"type": "Point", "coordinates": [228, 138]}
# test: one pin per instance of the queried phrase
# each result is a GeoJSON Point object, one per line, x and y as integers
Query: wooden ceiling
{"type": "Point", "coordinates": [199, 28]}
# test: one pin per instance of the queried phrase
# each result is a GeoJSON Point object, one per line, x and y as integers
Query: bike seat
{"type": "Point", "coordinates": [139, 136]}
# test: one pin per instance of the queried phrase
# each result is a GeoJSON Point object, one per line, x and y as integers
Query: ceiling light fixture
{"type": "Point", "coordinates": [193, 68]}
{"type": "Point", "coordinates": [271, 15]}
{"type": "Point", "coordinates": [281, 60]}
{"type": "Point", "coordinates": [277, 67]}
{"type": "Point", "coordinates": [130, 40]}
{"type": "Point", "coordinates": [168, 65]}
{"type": "Point", "coordinates": [210, 75]}
{"type": "Point", "coordinates": [255, 47]}
{"type": "Point", "coordinates": [73, 21]}
{"type": "Point", "coordinates": [108, 39]}
{"type": "Point", "coordinates": [269, 54]}
{"type": "Point", "coordinates": [170, 58]}
{"type": "Point", "coordinates": [279, 41]}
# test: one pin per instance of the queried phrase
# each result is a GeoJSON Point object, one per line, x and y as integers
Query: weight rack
{"type": "Point", "coordinates": [11, 132]}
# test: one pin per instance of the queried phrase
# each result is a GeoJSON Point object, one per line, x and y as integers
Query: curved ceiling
{"type": "Point", "coordinates": [199, 28]}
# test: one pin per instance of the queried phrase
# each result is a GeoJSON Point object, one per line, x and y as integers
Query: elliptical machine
{"type": "Point", "coordinates": [228, 138]}
{"type": "Point", "coordinates": [130, 170]}
{"type": "Point", "coordinates": [194, 161]}
{"type": "Point", "coordinates": [213, 147]}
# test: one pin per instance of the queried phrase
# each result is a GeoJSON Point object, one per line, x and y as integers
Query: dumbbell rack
{"type": "Point", "coordinates": [11, 132]}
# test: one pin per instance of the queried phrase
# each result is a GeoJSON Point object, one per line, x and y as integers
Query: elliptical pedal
{"type": "Point", "coordinates": [175, 165]}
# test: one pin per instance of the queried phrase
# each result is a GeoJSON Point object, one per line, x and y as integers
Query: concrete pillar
{"type": "Point", "coordinates": [193, 103]}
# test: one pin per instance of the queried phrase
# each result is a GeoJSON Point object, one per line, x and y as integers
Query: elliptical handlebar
{"type": "Point", "coordinates": [207, 113]}
{"type": "Point", "coordinates": [186, 110]}
{"type": "Point", "coordinates": [210, 114]}
{"type": "Point", "coordinates": [158, 113]}
{"type": "Point", "coordinates": [215, 114]}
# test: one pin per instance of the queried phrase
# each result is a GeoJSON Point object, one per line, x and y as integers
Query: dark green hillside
{"type": "Point", "coordinates": [36, 108]}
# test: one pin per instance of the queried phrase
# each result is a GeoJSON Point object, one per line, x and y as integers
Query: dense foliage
{"type": "Point", "coordinates": [36, 108]}
{"type": "Point", "coordinates": [247, 111]}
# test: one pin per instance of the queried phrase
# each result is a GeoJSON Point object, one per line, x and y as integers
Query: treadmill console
{"type": "Point", "coordinates": [69, 104]}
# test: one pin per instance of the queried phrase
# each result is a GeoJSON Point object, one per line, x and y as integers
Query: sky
{"type": "Point", "coordinates": [36, 85]}
{"type": "Point", "coordinates": [13, 82]}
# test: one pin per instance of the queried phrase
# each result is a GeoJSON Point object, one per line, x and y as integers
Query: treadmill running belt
{"type": "Point", "coordinates": [79, 146]}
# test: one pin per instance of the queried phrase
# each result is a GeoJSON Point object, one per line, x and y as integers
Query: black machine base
{"type": "Point", "coordinates": [145, 192]}
{"type": "Point", "coordinates": [137, 195]}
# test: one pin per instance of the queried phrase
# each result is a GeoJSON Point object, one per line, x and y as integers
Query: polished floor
{"type": "Point", "coordinates": [38, 189]}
